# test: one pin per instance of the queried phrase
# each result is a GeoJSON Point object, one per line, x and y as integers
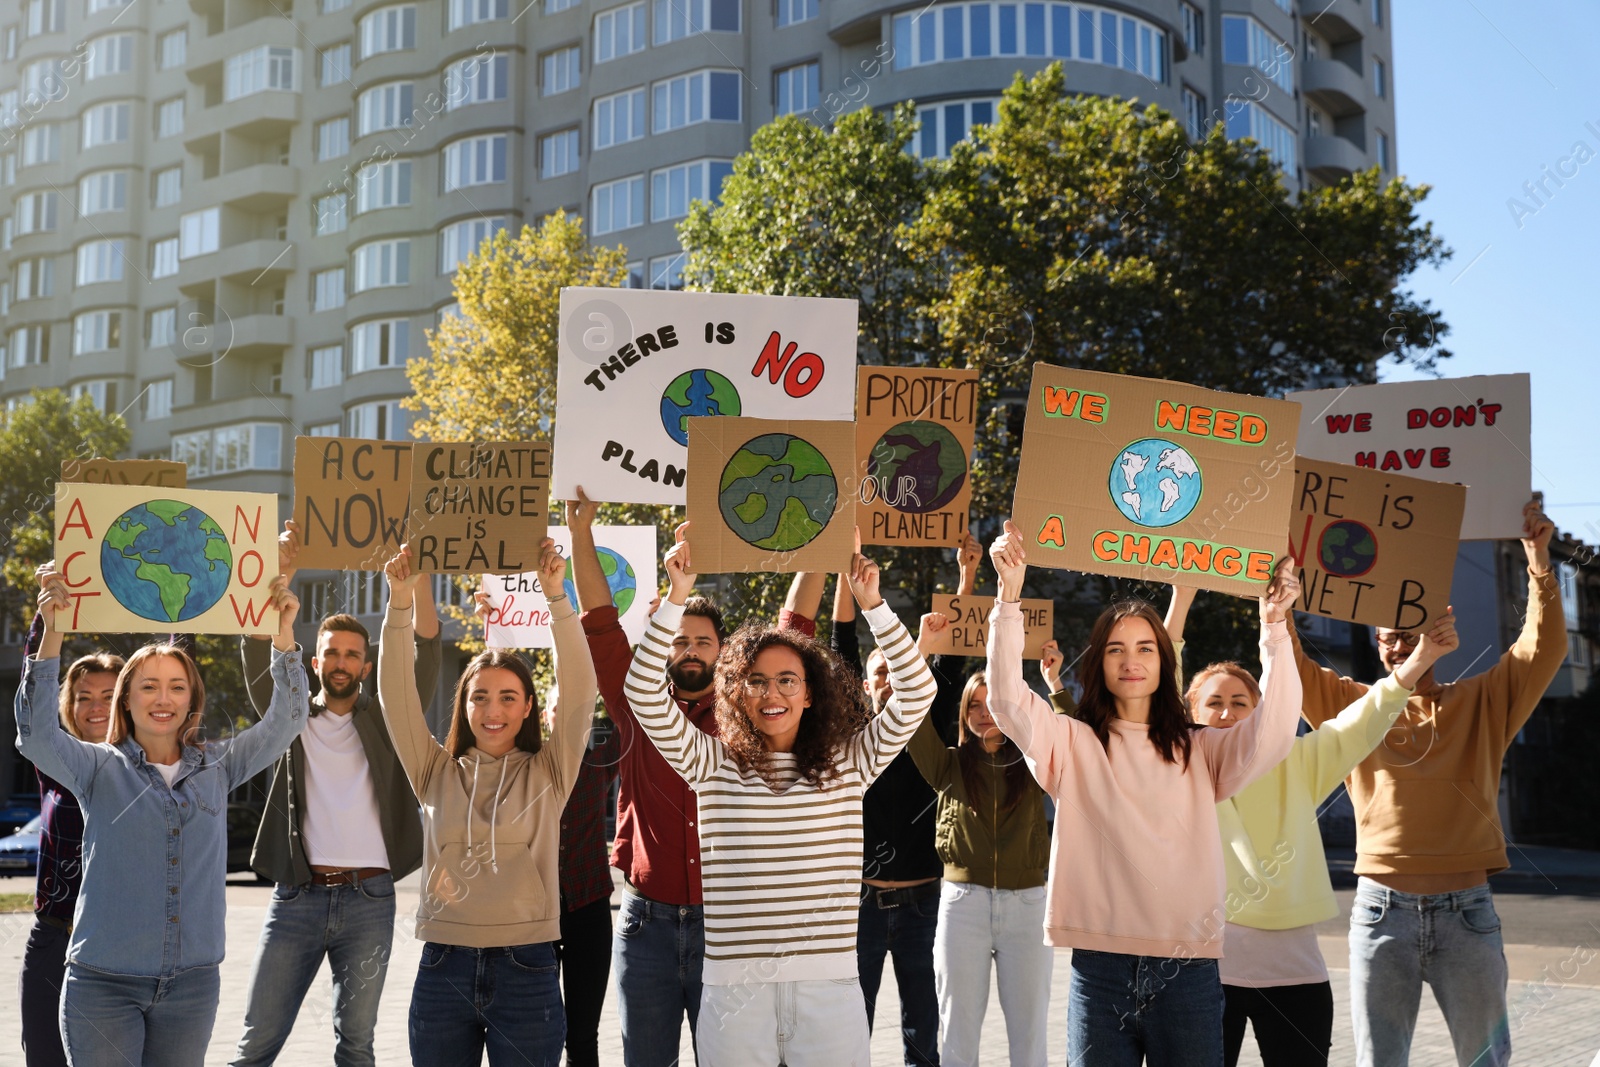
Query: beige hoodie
{"type": "Point", "coordinates": [491, 827]}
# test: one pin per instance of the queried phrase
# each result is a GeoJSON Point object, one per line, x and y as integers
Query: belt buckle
{"type": "Point", "coordinates": [887, 900]}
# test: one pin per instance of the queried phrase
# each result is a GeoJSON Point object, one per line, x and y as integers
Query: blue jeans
{"type": "Point", "coordinates": [1126, 1010]}
{"type": "Point", "coordinates": [507, 1000]}
{"type": "Point", "coordinates": [657, 953]}
{"type": "Point", "coordinates": [984, 931]}
{"type": "Point", "coordinates": [904, 931]}
{"type": "Point", "coordinates": [353, 926]}
{"type": "Point", "coordinates": [126, 1019]}
{"type": "Point", "coordinates": [1450, 941]}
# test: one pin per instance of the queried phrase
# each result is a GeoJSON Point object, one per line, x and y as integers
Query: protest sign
{"type": "Point", "coordinates": [163, 472]}
{"type": "Point", "coordinates": [968, 632]}
{"type": "Point", "coordinates": [1154, 480]}
{"type": "Point", "coordinates": [1373, 547]}
{"type": "Point", "coordinates": [141, 559]}
{"type": "Point", "coordinates": [914, 430]}
{"type": "Point", "coordinates": [635, 364]}
{"type": "Point", "coordinates": [771, 495]}
{"type": "Point", "coordinates": [351, 501]}
{"type": "Point", "coordinates": [479, 508]}
{"type": "Point", "coordinates": [519, 617]}
{"type": "Point", "coordinates": [1473, 431]}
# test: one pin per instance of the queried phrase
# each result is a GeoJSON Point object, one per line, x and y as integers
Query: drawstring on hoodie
{"type": "Point", "coordinates": [494, 810]}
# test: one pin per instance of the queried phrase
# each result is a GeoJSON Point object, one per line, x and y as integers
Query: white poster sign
{"type": "Point", "coordinates": [1473, 431]}
{"type": "Point", "coordinates": [520, 618]}
{"type": "Point", "coordinates": [636, 363]}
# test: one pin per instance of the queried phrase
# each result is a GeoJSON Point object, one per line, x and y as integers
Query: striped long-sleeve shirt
{"type": "Point", "coordinates": [781, 868]}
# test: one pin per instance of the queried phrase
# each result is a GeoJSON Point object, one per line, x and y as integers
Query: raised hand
{"type": "Point", "coordinates": [288, 548]}
{"type": "Point", "coordinates": [680, 578]}
{"type": "Point", "coordinates": [581, 512]}
{"type": "Point", "coordinates": [401, 576]}
{"type": "Point", "coordinates": [1050, 663]}
{"type": "Point", "coordinates": [552, 570]}
{"type": "Point", "coordinates": [1278, 599]}
{"type": "Point", "coordinates": [288, 606]}
{"type": "Point", "coordinates": [481, 605]}
{"type": "Point", "coordinates": [1537, 529]}
{"type": "Point", "coordinates": [968, 557]}
{"type": "Point", "coordinates": [53, 598]}
{"type": "Point", "coordinates": [863, 577]}
{"type": "Point", "coordinates": [1010, 562]}
{"type": "Point", "coordinates": [933, 624]}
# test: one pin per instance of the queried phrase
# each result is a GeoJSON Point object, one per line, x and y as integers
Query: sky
{"type": "Point", "coordinates": [1489, 93]}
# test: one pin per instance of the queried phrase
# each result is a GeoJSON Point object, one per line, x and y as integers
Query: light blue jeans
{"type": "Point", "coordinates": [1450, 941]}
{"type": "Point", "coordinates": [978, 924]}
{"type": "Point", "coordinates": [125, 1019]}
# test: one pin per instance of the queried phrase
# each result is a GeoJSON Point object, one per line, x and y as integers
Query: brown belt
{"type": "Point", "coordinates": [352, 877]}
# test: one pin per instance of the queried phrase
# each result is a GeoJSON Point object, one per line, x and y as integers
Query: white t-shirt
{"type": "Point", "coordinates": [1257, 959]}
{"type": "Point", "coordinates": [169, 771]}
{"type": "Point", "coordinates": [340, 827]}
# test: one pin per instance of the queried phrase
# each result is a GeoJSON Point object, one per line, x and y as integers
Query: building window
{"type": "Point", "coordinates": [619, 119]}
{"type": "Point", "coordinates": [8, 169]}
{"type": "Point", "coordinates": [791, 12]}
{"type": "Point", "coordinates": [102, 393]}
{"type": "Point", "coordinates": [99, 261]}
{"type": "Point", "coordinates": [797, 89]}
{"type": "Point", "coordinates": [666, 272]}
{"type": "Point", "coordinates": [459, 240]}
{"type": "Point", "coordinates": [9, 51]}
{"type": "Point", "coordinates": [199, 233]}
{"type": "Point", "coordinates": [558, 153]}
{"type": "Point", "coordinates": [1246, 119]}
{"type": "Point", "coordinates": [1245, 42]}
{"type": "Point", "coordinates": [1384, 161]}
{"type": "Point", "coordinates": [1056, 30]}
{"type": "Point", "coordinates": [635, 279]}
{"type": "Point", "coordinates": [387, 107]}
{"type": "Point", "coordinates": [5, 233]}
{"type": "Point", "coordinates": [475, 161]}
{"type": "Point", "coordinates": [382, 264]}
{"type": "Point", "coordinates": [106, 5]}
{"type": "Point", "coordinates": [698, 97]}
{"type": "Point", "coordinates": [36, 278]}
{"type": "Point", "coordinates": [618, 205]}
{"type": "Point", "coordinates": [107, 124]}
{"type": "Point", "coordinates": [472, 12]}
{"type": "Point", "coordinates": [105, 191]}
{"type": "Point", "coordinates": [1380, 78]}
{"type": "Point", "coordinates": [333, 139]}
{"type": "Point", "coordinates": [476, 80]}
{"type": "Point", "coordinates": [673, 189]}
{"type": "Point", "coordinates": [41, 144]}
{"type": "Point", "coordinates": [37, 212]}
{"type": "Point", "coordinates": [1194, 29]}
{"type": "Point", "coordinates": [1377, 12]}
{"type": "Point", "coordinates": [330, 6]}
{"type": "Point", "coordinates": [1195, 119]}
{"type": "Point", "coordinates": [46, 16]}
{"type": "Point", "coordinates": [30, 345]}
{"type": "Point", "coordinates": [164, 257]}
{"type": "Point", "coordinates": [161, 327]}
{"type": "Point", "coordinates": [252, 446]}
{"type": "Point", "coordinates": [327, 289]}
{"type": "Point", "coordinates": [326, 366]}
{"type": "Point", "coordinates": [172, 49]}
{"type": "Point", "coordinates": [156, 402]}
{"type": "Point", "coordinates": [261, 70]}
{"type": "Point", "coordinates": [96, 331]}
{"type": "Point", "coordinates": [381, 185]}
{"type": "Point", "coordinates": [378, 344]}
{"type": "Point", "coordinates": [324, 429]}
{"type": "Point", "coordinates": [378, 421]}
{"type": "Point", "coordinates": [107, 55]}
{"type": "Point", "coordinates": [167, 186]}
{"type": "Point", "coordinates": [169, 118]}
{"type": "Point", "coordinates": [619, 32]}
{"type": "Point", "coordinates": [945, 125]}
{"type": "Point", "coordinates": [552, 6]}
{"type": "Point", "coordinates": [329, 214]}
{"type": "Point", "coordinates": [391, 29]}
{"type": "Point", "coordinates": [558, 70]}
{"type": "Point", "coordinates": [677, 19]}
{"type": "Point", "coordinates": [335, 64]}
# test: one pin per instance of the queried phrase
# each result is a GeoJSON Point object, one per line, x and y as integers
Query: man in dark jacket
{"type": "Point", "coordinates": [341, 825]}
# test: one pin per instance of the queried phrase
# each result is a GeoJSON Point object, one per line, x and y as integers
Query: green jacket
{"type": "Point", "coordinates": [985, 845]}
{"type": "Point", "coordinates": [279, 853]}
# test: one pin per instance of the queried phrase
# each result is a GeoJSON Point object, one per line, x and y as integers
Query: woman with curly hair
{"type": "Point", "coordinates": [780, 805]}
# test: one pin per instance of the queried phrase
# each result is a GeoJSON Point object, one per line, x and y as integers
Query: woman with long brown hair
{"type": "Point", "coordinates": [1136, 880]}
{"type": "Point", "coordinates": [492, 796]}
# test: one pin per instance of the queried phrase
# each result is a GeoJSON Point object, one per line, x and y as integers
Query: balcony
{"type": "Point", "coordinates": [259, 189]}
{"type": "Point", "coordinates": [262, 262]}
{"type": "Point", "coordinates": [854, 21]}
{"type": "Point", "coordinates": [265, 116]}
{"type": "Point", "coordinates": [207, 55]}
{"type": "Point", "coordinates": [1333, 159]}
{"type": "Point", "coordinates": [1340, 21]}
{"type": "Point", "coordinates": [1334, 86]}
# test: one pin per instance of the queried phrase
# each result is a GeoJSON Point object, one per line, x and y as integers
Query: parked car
{"type": "Point", "coordinates": [244, 819]}
{"type": "Point", "coordinates": [18, 810]}
{"type": "Point", "coordinates": [19, 853]}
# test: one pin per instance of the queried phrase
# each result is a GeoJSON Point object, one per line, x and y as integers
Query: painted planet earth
{"type": "Point", "coordinates": [1154, 482]}
{"type": "Point", "coordinates": [619, 576]}
{"type": "Point", "coordinates": [920, 466]}
{"type": "Point", "coordinates": [166, 561]}
{"type": "Point", "coordinates": [1347, 549]}
{"type": "Point", "coordinates": [778, 492]}
{"type": "Point", "coordinates": [696, 392]}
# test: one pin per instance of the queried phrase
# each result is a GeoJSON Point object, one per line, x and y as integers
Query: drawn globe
{"type": "Point", "coordinates": [777, 492]}
{"type": "Point", "coordinates": [1155, 482]}
{"type": "Point", "coordinates": [919, 466]}
{"type": "Point", "coordinates": [619, 576]}
{"type": "Point", "coordinates": [1347, 548]}
{"type": "Point", "coordinates": [166, 561]}
{"type": "Point", "coordinates": [696, 392]}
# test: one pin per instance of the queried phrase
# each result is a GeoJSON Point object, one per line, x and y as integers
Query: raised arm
{"type": "Point", "coordinates": [842, 637]}
{"type": "Point", "coordinates": [693, 754]}
{"type": "Point", "coordinates": [419, 753]}
{"type": "Point", "coordinates": [800, 606]}
{"type": "Point", "coordinates": [256, 649]}
{"type": "Point", "coordinates": [254, 749]}
{"type": "Point", "coordinates": [575, 680]}
{"type": "Point", "coordinates": [880, 742]}
{"type": "Point", "coordinates": [40, 736]}
{"type": "Point", "coordinates": [1518, 681]}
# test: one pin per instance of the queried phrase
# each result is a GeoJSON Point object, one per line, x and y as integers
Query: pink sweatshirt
{"type": "Point", "coordinates": [1136, 864]}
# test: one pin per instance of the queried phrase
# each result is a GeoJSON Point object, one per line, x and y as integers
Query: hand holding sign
{"type": "Point", "coordinates": [680, 579]}
{"type": "Point", "coordinates": [1010, 562]}
{"type": "Point", "coordinates": [1437, 642]}
{"type": "Point", "coordinates": [1280, 593]}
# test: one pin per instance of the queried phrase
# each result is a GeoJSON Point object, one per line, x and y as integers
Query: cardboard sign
{"type": "Point", "coordinates": [1374, 548]}
{"type": "Point", "coordinates": [914, 431]}
{"type": "Point", "coordinates": [968, 632]}
{"type": "Point", "coordinates": [351, 500]}
{"type": "Point", "coordinates": [519, 616]}
{"type": "Point", "coordinates": [1155, 480]}
{"type": "Point", "coordinates": [1474, 431]}
{"type": "Point", "coordinates": [636, 364]}
{"type": "Point", "coordinates": [479, 508]}
{"type": "Point", "coordinates": [771, 495]}
{"type": "Point", "coordinates": [168, 473]}
{"type": "Point", "coordinates": [143, 559]}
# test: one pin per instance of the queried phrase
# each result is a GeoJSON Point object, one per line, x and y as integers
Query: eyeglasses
{"type": "Point", "coordinates": [788, 684]}
{"type": "Point", "coordinates": [1398, 640]}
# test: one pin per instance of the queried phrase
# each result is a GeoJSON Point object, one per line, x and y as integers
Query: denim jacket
{"type": "Point", "coordinates": [153, 901]}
